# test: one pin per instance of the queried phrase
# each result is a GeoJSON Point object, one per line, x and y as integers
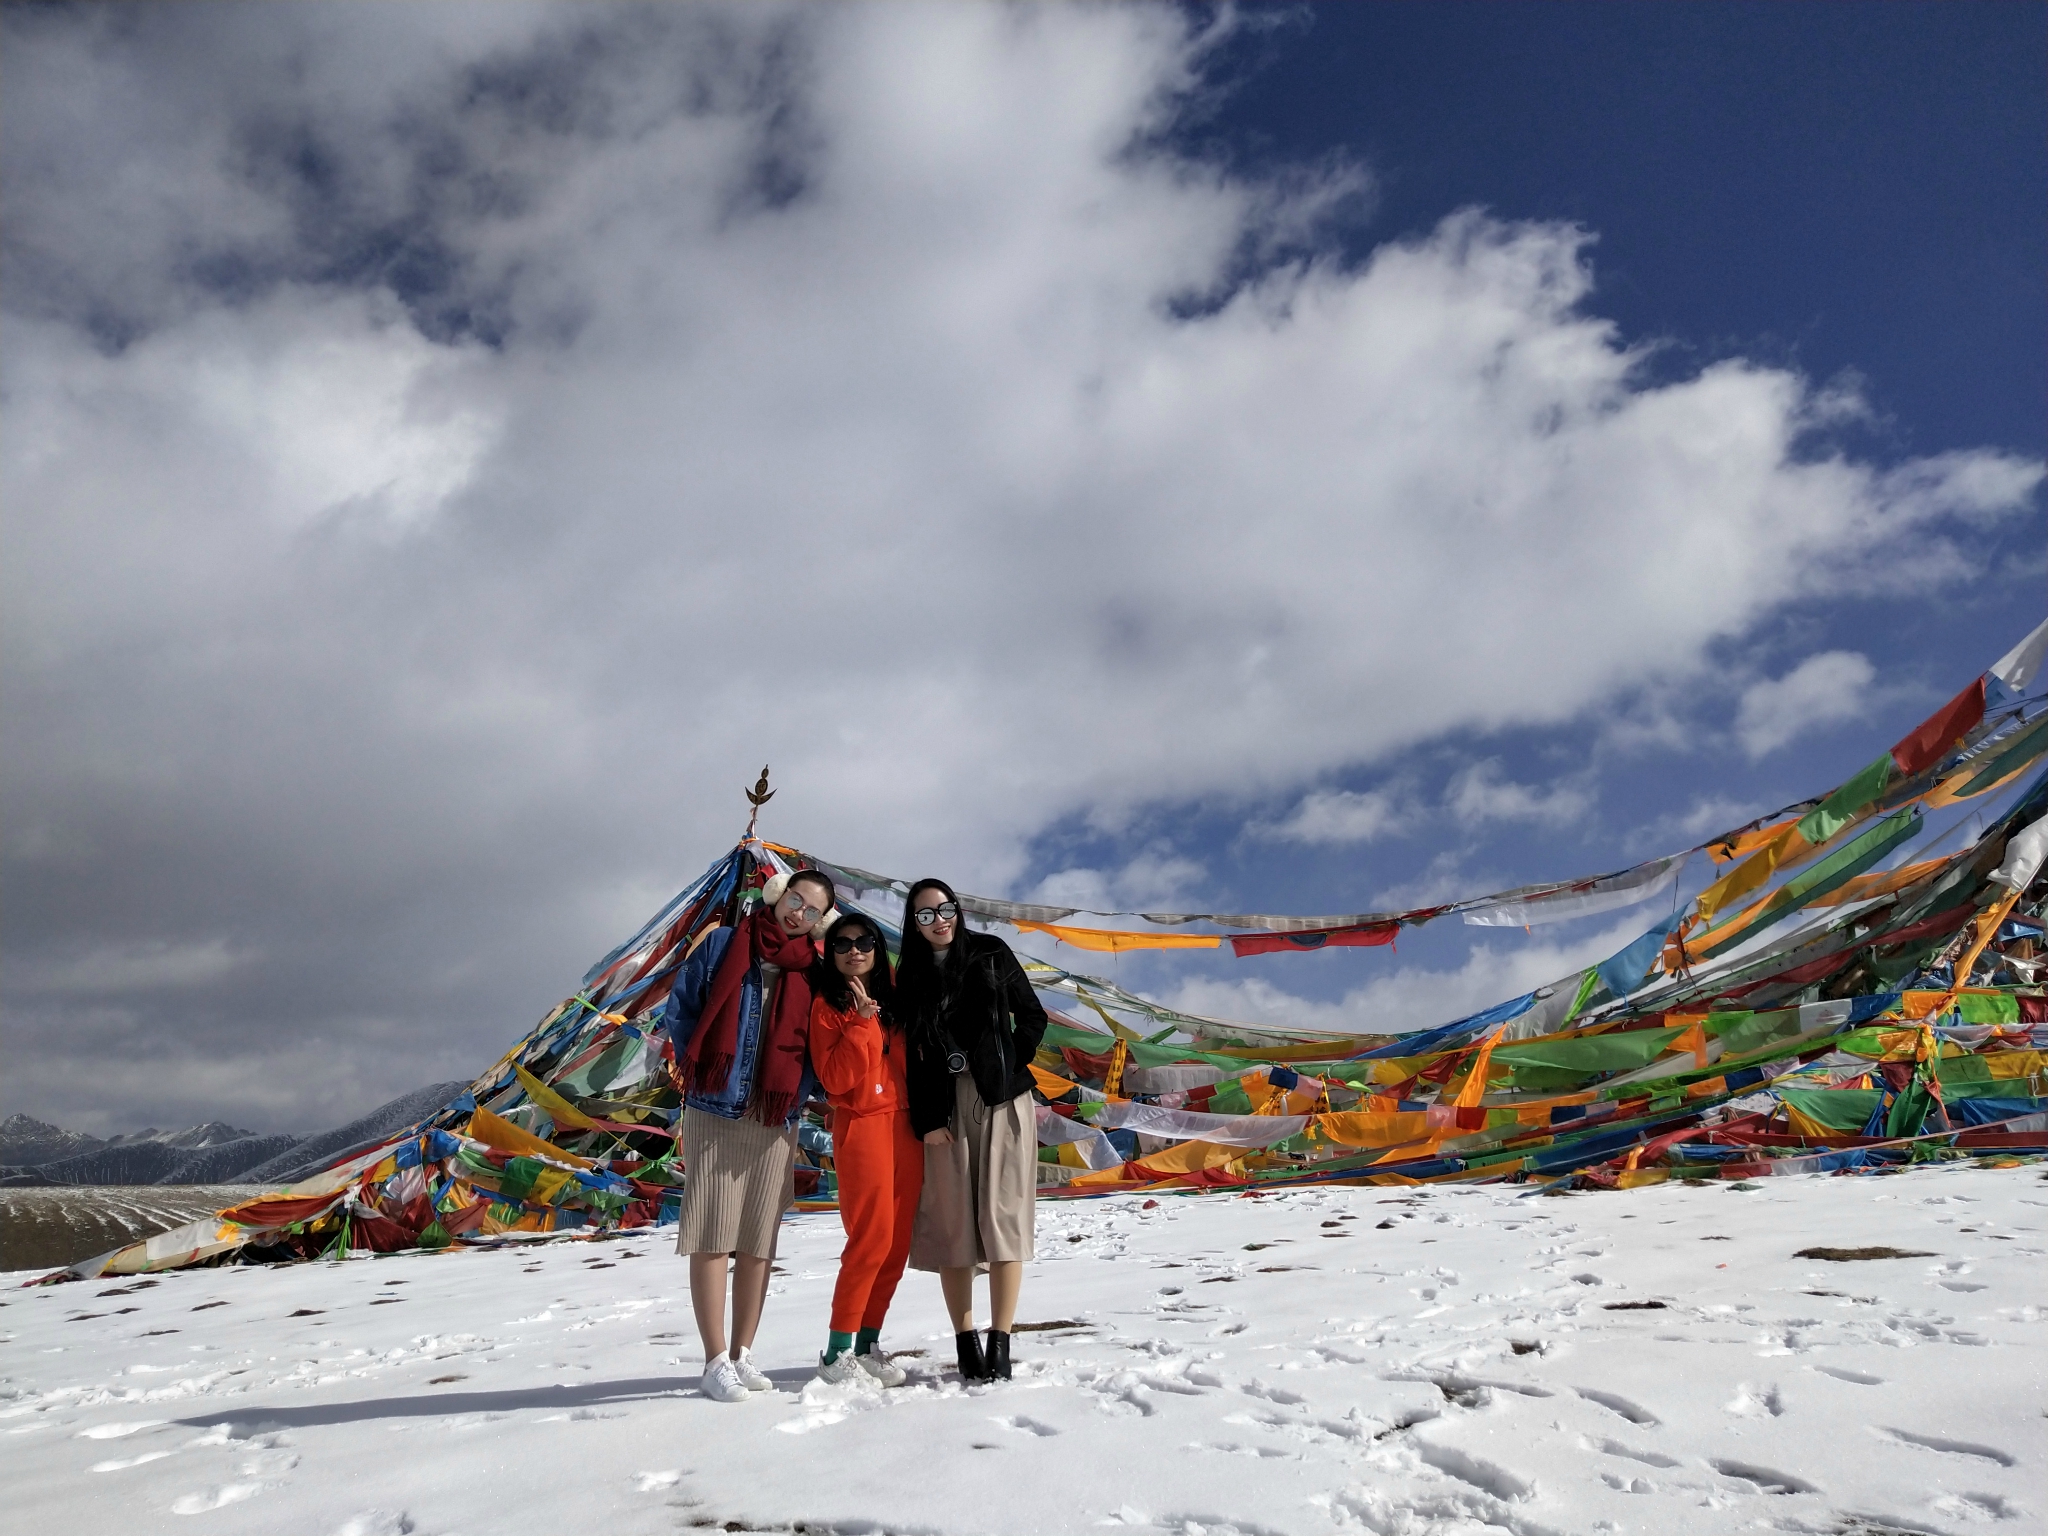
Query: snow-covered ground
{"type": "Point", "coordinates": [1442, 1360]}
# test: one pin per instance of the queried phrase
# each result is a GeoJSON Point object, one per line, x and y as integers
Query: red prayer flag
{"type": "Point", "coordinates": [1315, 938]}
{"type": "Point", "coordinates": [1930, 741]}
{"type": "Point", "coordinates": [1087, 1064]}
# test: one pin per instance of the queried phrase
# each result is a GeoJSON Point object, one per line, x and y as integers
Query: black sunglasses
{"type": "Point", "coordinates": [944, 912]}
{"type": "Point", "coordinates": [846, 944]}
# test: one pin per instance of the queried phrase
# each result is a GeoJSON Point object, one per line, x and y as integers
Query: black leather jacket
{"type": "Point", "coordinates": [986, 1008]}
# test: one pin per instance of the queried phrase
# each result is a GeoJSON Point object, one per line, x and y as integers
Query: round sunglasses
{"type": "Point", "coordinates": [945, 912]}
{"type": "Point", "coordinates": [794, 902]}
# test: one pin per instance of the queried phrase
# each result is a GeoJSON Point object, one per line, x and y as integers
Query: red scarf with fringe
{"type": "Point", "coordinates": [785, 1036]}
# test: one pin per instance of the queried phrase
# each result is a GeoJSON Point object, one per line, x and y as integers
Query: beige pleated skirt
{"type": "Point", "coordinates": [739, 1177]}
{"type": "Point", "coordinates": [980, 1195]}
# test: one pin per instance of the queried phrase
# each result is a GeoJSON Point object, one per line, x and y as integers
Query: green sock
{"type": "Point", "coordinates": [837, 1344]}
{"type": "Point", "coordinates": [864, 1341]}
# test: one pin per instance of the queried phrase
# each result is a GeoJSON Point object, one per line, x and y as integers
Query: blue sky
{"type": "Point", "coordinates": [1305, 459]}
{"type": "Point", "coordinates": [1854, 192]}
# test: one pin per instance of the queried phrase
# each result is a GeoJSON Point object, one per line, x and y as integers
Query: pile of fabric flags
{"type": "Point", "coordinates": [1840, 998]}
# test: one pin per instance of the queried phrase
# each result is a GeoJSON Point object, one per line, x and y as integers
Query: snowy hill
{"type": "Point", "coordinates": [315, 1152]}
{"type": "Point", "coordinates": [26, 1142]}
{"type": "Point", "coordinates": [1429, 1361]}
{"type": "Point", "coordinates": [206, 1154]}
{"type": "Point", "coordinates": [213, 1153]}
{"type": "Point", "coordinates": [214, 1133]}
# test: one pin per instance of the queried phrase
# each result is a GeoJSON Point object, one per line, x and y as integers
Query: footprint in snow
{"type": "Point", "coordinates": [1130, 1402]}
{"type": "Point", "coordinates": [1486, 1476]}
{"type": "Point", "coordinates": [269, 1464]}
{"type": "Point", "coordinates": [1842, 1373]}
{"type": "Point", "coordinates": [1753, 1403]}
{"type": "Point", "coordinates": [377, 1522]}
{"type": "Point", "coordinates": [1157, 1382]}
{"type": "Point", "coordinates": [1764, 1477]}
{"type": "Point", "coordinates": [1026, 1426]}
{"type": "Point", "coordinates": [1977, 1506]}
{"type": "Point", "coordinates": [117, 1430]}
{"type": "Point", "coordinates": [1260, 1452]}
{"type": "Point", "coordinates": [1647, 1458]}
{"type": "Point", "coordinates": [1950, 1447]}
{"type": "Point", "coordinates": [123, 1464]}
{"type": "Point", "coordinates": [1628, 1484]}
{"type": "Point", "coordinates": [1258, 1389]}
{"type": "Point", "coordinates": [211, 1499]}
{"type": "Point", "coordinates": [1614, 1402]}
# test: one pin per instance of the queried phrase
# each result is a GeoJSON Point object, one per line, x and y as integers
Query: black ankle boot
{"type": "Point", "coordinates": [998, 1356]}
{"type": "Point", "coordinates": [972, 1366]}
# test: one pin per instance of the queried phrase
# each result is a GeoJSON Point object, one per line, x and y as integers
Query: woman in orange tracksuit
{"type": "Point", "coordinates": [857, 1052]}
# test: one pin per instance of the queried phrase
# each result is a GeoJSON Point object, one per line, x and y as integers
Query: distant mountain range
{"type": "Point", "coordinates": [35, 1152]}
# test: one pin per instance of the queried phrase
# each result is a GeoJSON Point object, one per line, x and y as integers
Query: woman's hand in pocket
{"type": "Point", "coordinates": [939, 1138]}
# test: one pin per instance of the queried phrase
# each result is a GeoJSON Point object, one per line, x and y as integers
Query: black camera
{"type": "Point", "coordinates": [956, 1062]}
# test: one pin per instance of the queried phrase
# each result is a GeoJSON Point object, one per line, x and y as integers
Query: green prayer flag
{"type": "Point", "coordinates": [1829, 875]}
{"type": "Point", "coordinates": [2016, 753]}
{"type": "Point", "coordinates": [1846, 804]}
{"type": "Point", "coordinates": [1842, 1110]}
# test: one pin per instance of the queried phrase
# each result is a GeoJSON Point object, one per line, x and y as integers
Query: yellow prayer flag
{"type": "Point", "coordinates": [559, 1109]}
{"type": "Point", "coordinates": [1783, 849]}
{"type": "Point", "coordinates": [1115, 941]}
{"type": "Point", "coordinates": [502, 1134]}
{"type": "Point", "coordinates": [1050, 1084]}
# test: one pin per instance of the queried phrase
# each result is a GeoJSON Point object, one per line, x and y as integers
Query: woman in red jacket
{"type": "Point", "coordinates": [857, 1052]}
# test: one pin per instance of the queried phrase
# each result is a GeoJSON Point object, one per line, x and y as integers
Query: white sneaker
{"type": "Point", "coordinates": [886, 1372]}
{"type": "Point", "coordinates": [843, 1371]}
{"type": "Point", "coordinates": [721, 1381]}
{"type": "Point", "coordinates": [750, 1374]}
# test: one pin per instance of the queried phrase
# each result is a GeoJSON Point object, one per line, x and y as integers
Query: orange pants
{"type": "Point", "coordinates": [880, 1163]}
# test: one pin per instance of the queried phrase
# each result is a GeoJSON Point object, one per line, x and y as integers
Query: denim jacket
{"type": "Point", "coordinates": [686, 1011]}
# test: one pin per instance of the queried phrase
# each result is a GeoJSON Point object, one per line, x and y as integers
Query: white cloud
{"type": "Point", "coordinates": [1447, 877]}
{"type": "Point", "coordinates": [861, 389]}
{"type": "Point", "coordinates": [1480, 794]}
{"type": "Point", "coordinates": [1822, 690]}
{"type": "Point", "coordinates": [1344, 816]}
{"type": "Point", "coordinates": [1710, 815]}
{"type": "Point", "coordinates": [302, 407]}
{"type": "Point", "coordinates": [1409, 997]}
{"type": "Point", "coordinates": [114, 969]}
{"type": "Point", "coordinates": [1707, 816]}
{"type": "Point", "coordinates": [1154, 878]}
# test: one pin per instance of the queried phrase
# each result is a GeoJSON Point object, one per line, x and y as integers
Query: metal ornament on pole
{"type": "Point", "coordinates": [757, 797]}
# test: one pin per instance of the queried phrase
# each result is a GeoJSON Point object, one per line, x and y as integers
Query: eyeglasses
{"type": "Point", "coordinates": [847, 944]}
{"type": "Point", "coordinates": [794, 902]}
{"type": "Point", "coordinates": [944, 912]}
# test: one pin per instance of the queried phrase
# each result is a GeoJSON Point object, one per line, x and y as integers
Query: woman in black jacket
{"type": "Point", "coordinates": [974, 1025]}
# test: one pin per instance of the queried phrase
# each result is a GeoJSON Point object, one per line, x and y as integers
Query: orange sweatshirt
{"type": "Point", "coordinates": [858, 1060]}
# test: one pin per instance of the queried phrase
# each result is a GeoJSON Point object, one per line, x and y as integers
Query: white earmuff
{"type": "Point", "coordinates": [771, 896]}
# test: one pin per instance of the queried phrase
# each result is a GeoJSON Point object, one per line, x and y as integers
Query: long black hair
{"type": "Point", "coordinates": [920, 986]}
{"type": "Point", "coordinates": [832, 984]}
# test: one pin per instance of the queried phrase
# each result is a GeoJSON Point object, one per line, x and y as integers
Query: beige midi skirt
{"type": "Point", "coordinates": [739, 1177]}
{"type": "Point", "coordinates": [981, 1192]}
